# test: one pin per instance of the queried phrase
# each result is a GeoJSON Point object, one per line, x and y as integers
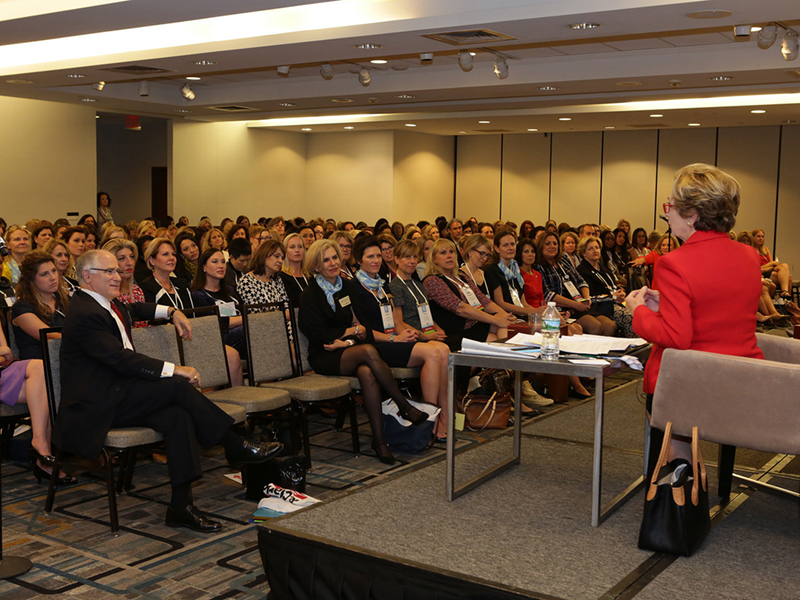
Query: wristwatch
{"type": "Point", "coordinates": [391, 337]}
{"type": "Point", "coordinates": [351, 342]}
{"type": "Point", "coordinates": [171, 314]}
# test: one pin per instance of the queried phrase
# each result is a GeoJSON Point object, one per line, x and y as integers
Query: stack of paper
{"type": "Point", "coordinates": [499, 349]}
{"type": "Point", "coordinates": [594, 345]}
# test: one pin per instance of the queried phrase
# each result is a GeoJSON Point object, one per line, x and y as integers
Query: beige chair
{"type": "Point", "coordinates": [270, 348]}
{"type": "Point", "coordinates": [733, 401]}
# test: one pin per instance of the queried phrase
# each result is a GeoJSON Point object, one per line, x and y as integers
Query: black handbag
{"type": "Point", "coordinates": [676, 519]}
{"type": "Point", "coordinates": [287, 472]}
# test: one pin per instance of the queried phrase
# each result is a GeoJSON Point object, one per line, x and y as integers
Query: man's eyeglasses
{"type": "Point", "coordinates": [109, 272]}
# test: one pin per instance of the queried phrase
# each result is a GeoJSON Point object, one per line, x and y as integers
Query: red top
{"type": "Point", "coordinates": [710, 289]}
{"type": "Point", "coordinates": [533, 288]}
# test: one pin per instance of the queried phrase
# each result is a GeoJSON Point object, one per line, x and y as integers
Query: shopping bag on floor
{"type": "Point", "coordinates": [676, 519]}
{"type": "Point", "coordinates": [401, 435]}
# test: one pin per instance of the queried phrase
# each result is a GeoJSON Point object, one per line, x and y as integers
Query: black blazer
{"type": "Point", "coordinates": [94, 369]}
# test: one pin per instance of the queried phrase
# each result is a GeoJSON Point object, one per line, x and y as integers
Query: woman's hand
{"type": "Point", "coordinates": [336, 344]}
{"type": "Point", "coordinates": [637, 262]}
{"type": "Point", "coordinates": [5, 354]}
{"type": "Point", "coordinates": [407, 335]}
{"type": "Point", "coordinates": [636, 299]}
{"type": "Point", "coordinates": [652, 299]}
{"type": "Point", "coordinates": [581, 306]}
{"type": "Point", "coordinates": [619, 295]}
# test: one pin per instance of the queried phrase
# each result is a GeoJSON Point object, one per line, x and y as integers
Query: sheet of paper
{"type": "Point", "coordinates": [588, 361]}
{"type": "Point", "coordinates": [497, 349]}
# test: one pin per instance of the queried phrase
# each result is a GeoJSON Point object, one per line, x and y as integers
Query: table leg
{"type": "Point", "coordinates": [517, 415]}
{"type": "Point", "coordinates": [451, 432]}
{"type": "Point", "coordinates": [597, 464]}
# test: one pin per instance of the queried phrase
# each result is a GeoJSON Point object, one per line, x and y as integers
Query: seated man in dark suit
{"type": "Point", "coordinates": [105, 383]}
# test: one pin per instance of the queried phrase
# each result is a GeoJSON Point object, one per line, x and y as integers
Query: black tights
{"type": "Point", "coordinates": [373, 374]}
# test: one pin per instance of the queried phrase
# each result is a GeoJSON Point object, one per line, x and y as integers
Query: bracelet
{"type": "Point", "coordinates": [351, 342]}
{"type": "Point", "coordinates": [356, 333]}
{"type": "Point", "coordinates": [391, 337]}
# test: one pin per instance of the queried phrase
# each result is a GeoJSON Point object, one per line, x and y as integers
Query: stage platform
{"type": "Point", "coordinates": [527, 532]}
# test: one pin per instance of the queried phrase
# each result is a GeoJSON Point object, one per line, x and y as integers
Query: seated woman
{"type": "Point", "coordinates": [146, 227]}
{"type": "Point", "coordinates": [91, 239]}
{"type": "Point", "coordinates": [339, 344]}
{"type": "Point", "coordinates": [637, 276]}
{"type": "Point", "coordinates": [279, 225]}
{"type": "Point", "coordinates": [777, 271]}
{"type": "Point", "coordinates": [234, 232]}
{"type": "Point", "coordinates": [42, 302]}
{"type": "Point", "coordinates": [666, 244]}
{"type": "Point", "coordinates": [424, 243]}
{"type": "Point", "coordinates": [160, 287]}
{"type": "Point", "coordinates": [111, 232]}
{"type": "Point", "coordinates": [42, 233]}
{"type": "Point", "coordinates": [609, 242]}
{"type": "Point", "coordinates": [566, 287]}
{"type": "Point", "coordinates": [215, 239]}
{"type": "Point", "coordinates": [126, 254]}
{"type": "Point", "coordinates": [23, 382]}
{"type": "Point", "coordinates": [620, 255]}
{"type": "Point", "coordinates": [389, 264]}
{"type": "Point", "coordinates": [75, 238]}
{"type": "Point", "coordinates": [398, 344]}
{"type": "Point", "coordinates": [263, 283]}
{"type": "Point", "coordinates": [504, 279]}
{"type": "Point", "coordinates": [569, 246]}
{"type": "Point", "coordinates": [457, 305]}
{"type": "Point", "coordinates": [18, 241]}
{"type": "Point", "coordinates": [606, 294]}
{"type": "Point", "coordinates": [63, 260]}
{"type": "Point", "coordinates": [140, 270]}
{"type": "Point", "coordinates": [293, 273]}
{"type": "Point", "coordinates": [345, 241]}
{"type": "Point", "coordinates": [188, 250]}
{"type": "Point", "coordinates": [209, 289]}
{"type": "Point", "coordinates": [476, 250]}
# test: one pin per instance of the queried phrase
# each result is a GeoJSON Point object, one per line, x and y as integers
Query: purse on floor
{"type": "Point", "coordinates": [485, 412]}
{"type": "Point", "coordinates": [676, 519]}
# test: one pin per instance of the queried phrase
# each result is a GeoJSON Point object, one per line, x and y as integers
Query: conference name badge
{"type": "Point", "coordinates": [425, 318]}
{"type": "Point", "coordinates": [344, 302]}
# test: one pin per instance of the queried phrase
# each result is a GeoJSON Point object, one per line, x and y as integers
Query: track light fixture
{"type": "Point", "coordinates": [187, 92]}
{"type": "Point", "coordinates": [284, 70]}
{"type": "Point", "coordinates": [501, 68]}
{"type": "Point", "coordinates": [364, 78]}
{"type": "Point", "coordinates": [326, 71]}
{"type": "Point", "coordinates": [144, 88]}
{"type": "Point", "coordinates": [465, 59]}
{"type": "Point", "coordinates": [99, 85]}
{"type": "Point", "coordinates": [789, 45]}
{"type": "Point", "coordinates": [426, 58]}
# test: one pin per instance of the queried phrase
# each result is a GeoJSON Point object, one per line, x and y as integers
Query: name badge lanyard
{"type": "Point", "coordinates": [571, 288]}
{"type": "Point", "coordinates": [605, 281]}
{"type": "Point", "coordinates": [423, 310]}
{"type": "Point", "coordinates": [475, 281]}
{"type": "Point", "coordinates": [469, 295]}
{"type": "Point", "coordinates": [298, 283]}
{"type": "Point", "coordinates": [176, 305]}
{"type": "Point", "coordinates": [513, 292]}
{"type": "Point", "coordinates": [386, 310]}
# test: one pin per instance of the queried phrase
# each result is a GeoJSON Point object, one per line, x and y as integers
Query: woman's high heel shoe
{"type": "Point", "coordinates": [47, 460]}
{"type": "Point", "coordinates": [413, 414]}
{"type": "Point", "coordinates": [382, 450]}
{"type": "Point", "coordinates": [40, 474]}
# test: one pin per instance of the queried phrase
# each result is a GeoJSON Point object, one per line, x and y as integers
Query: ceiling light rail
{"type": "Point", "coordinates": [769, 33]}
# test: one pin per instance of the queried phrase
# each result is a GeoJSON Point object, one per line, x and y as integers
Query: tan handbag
{"type": "Point", "coordinates": [486, 412]}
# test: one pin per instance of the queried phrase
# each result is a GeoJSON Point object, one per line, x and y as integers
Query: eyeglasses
{"type": "Point", "coordinates": [345, 246]}
{"type": "Point", "coordinates": [667, 206]}
{"type": "Point", "coordinates": [109, 272]}
{"type": "Point", "coordinates": [481, 254]}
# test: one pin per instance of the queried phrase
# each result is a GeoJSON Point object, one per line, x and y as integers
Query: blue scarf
{"type": "Point", "coordinates": [512, 271]}
{"type": "Point", "coordinates": [329, 288]}
{"type": "Point", "coordinates": [373, 285]}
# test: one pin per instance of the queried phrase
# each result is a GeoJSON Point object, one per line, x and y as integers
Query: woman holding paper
{"type": "Point", "coordinates": [698, 305]}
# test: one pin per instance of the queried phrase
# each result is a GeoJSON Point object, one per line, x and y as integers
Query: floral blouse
{"type": "Point", "coordinates": [254, 291]}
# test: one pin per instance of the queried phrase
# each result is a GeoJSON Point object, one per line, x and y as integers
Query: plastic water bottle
{"type": "Point", "coordinates": [551, 328]}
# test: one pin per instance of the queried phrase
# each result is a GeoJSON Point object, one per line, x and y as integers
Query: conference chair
{"type": "Point", "coordinates": [734, 401]}
{"type": "Point", "coordinates": [271, 339]}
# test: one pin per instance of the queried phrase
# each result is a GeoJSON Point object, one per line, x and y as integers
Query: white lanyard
{"type": "Point", "coordinates": [569, 286]}
{"type": "Point", "coordinates": [298, 283]}
{"type": "Point", "coordinates": [164, 292]}
{"type": "Point", "coordinates": [472, 299]}
{"type": "Point", "coordinates": [423, 310]}
{"type": "Point", "coordinates": [386, 309]}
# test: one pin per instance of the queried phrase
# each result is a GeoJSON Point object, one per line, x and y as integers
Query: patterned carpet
{"type": "Point", "coordinates": [75, 554]}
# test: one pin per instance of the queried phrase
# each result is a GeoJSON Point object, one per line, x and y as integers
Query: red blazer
{"type": "Point", "coordinates": [710, 289]}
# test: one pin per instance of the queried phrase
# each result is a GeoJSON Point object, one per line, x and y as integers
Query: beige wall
{"type": "Point", "coordinates": [526, 177]}
{"type": "Point", "coordinates": [423, 176]}
{"type": "Point", "coordinates": [48, 158]}
{"type": "Point", "coordinates": [478, 178]}
{"type": "Point", "coordinates": [629, 178]}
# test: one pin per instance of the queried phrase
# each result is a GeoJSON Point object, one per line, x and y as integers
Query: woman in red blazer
{"type": "Point", "coordinates": [708, 289]}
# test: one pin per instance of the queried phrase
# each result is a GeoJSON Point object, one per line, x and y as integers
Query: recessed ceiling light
{"type": "Point", "coordinates": [628, 83]}
{"type": "Point", "coordinates": [484, 122]}
{"type": "Point", "coordinates": [473, 54]}
{"type": "Point", "coordinates": [790, 121]}
{"type": "Point", "coordinates": [405, 97]}
{"type": "Point", "coordinates": [184, 110]}
{"type": "Point", "coordinates": [306, 129]}
{"type": "Point", "coordinates": [533, 130]}
{"type": "Point", "coordinates": [19, 81]}
{"type": "Point", "coordinates": [462, 132]}
{"type": "Point", "coordinates": [758, 111]}
{"type": "Point", "coordinates": [349, 127]}
{"type": "Point", "coordinates": [610, 127]}
{"type": "Point", "coordinates": [549, 88]}
{"type": "Point", "coordinates": [656, 116]}
{"type": "Point", "coordinates": [203, 63]}
{"type": "Point", "coordinates": [286, 104]}
{"type": "Point", "coordinates": [97, 116]}
{"type": "Point", "coordinates": [720, 78]}
{"type": "Point", "coordinates": [342, 100]}
{"type": "Point", "coordinates": [710, 14]}
{"type": "Point", "coordinates": [379, 61]}
{"type": "Point", "coordinates": [694, 124]}
{"type": "Point", "coordinates": [76, 76]}
{"type": "Point", "coordinates": [410, 125]}
{"type": "Point", "coordinates": [579, 26]}
{"type": "Point", "coordinates": [564, 119]}
{"type": "Point", "coordinates": [367, 46]}
{"type": "Point", "coordinates": [399, 67]}
{"type": "Point", "coordinates": [193, 78]}
{"type": "Point", "coordinates": [755, 29]}
{"type": "Point", "coordinates": [88, 100]}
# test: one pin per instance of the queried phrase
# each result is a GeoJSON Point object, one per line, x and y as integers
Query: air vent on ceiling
{"type": "Point", "coordinates": [470, 37]}
{"type": "Point", "coordinates": [231, 108]}
{"type": "Point", "coordinates": [139, 70]}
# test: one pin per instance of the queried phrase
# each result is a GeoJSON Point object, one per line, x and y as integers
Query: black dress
{"type": "Point", "coordinates": [29, 347]}
{"type": "Point", "coordinates": [321, 324]}
{"type": "Point", "coordinates": [396, 354]}
{"type": "Point", "coordinates": [294, 286]}
{"type": "Point", "coordinates": [495, 278]}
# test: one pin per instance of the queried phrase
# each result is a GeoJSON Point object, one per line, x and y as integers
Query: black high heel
{"type": "Point", "coordinates": [47, 460]}
{"type": "Point", "coordinates": [40, 474]}
{"type": "Point", "coordinates": [413, 414]}
{"type": "Point", "coordinates": [382, 450]}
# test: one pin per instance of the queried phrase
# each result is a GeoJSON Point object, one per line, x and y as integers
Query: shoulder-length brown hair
{"type": "Point", "coordinates": [26, 286]}
{"type": "Point", "coordinates": [540, 259]}
{"type": "Point", "coordinates": [266, 249]}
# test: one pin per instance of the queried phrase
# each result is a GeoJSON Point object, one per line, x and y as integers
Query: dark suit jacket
{"type": "Point", "coordinates": [709, 289]}
{"type": "Point", "coordinates": [94, 369]}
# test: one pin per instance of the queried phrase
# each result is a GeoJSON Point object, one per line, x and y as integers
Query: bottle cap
{"type": "Point", "coordinates": [551, 304]}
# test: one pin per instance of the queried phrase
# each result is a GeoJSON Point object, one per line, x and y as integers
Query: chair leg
{"type": "Point", "coordinates": [295, 425]}
{"type": "Point", "coordinates": [112, 496]}
{"type": "Point", "coordinates": [129, 472]}
{"type": "Point", "coordinates": [727, 455]}
{"type": "Point", "coordinates": [51, 489]}
{"type": "Point", "coordinates": [306, 441]}
{"type": "Point", "coordinates": [354, 424]}
{"type": "Point", "coordinates": [340, 416]}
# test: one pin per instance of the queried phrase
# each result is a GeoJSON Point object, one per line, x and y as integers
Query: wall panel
{"type": "Point", "coordinates": [526, 177]}
{"type": "Point", "coordinates": [575, 189]}
{"type": "Point", "coordinates": [750, 154]}
{"type": "Point", "coordinates": [478, 177]}
{"type": "Point", "coordinates": [423, 177]}
{"type": "Point", "coordinates": [629, 178]}
{"type": "Point", "coordinates": [787, 242]}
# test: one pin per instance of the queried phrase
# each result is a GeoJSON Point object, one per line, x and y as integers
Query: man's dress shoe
{"type": "Point", "coordinates": [252, 452]}
{"type": "Point", "coordinates": [192, 518]}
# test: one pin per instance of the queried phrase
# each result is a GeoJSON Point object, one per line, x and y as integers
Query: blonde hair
{"type": "Point", "coordinates": [315, 254]}
{"type": "Point", "coordinates": [286, 268]}
{"type": "Point", "coordinates": [153, 248]}
{"type": "Point", "coordinates": [207, 240]}
{"type": "Point", "coordinates": [585, 242]}
{"type": "Point", "coordinates": [430, 267]}
{"type": "Point", "coordinates": [116, 244]}
{"type": "Point", "coordinates": [144, 226]}
{"type": "Point", "coordinates": [710, 192]}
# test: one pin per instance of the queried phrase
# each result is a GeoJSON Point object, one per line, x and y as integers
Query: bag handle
{"type": "Point", "coordinates": [663, 456]}
{"type": "Point", "coordinates": [491, 401]}
{"type": "Point", "coordinates": [700, 466]}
